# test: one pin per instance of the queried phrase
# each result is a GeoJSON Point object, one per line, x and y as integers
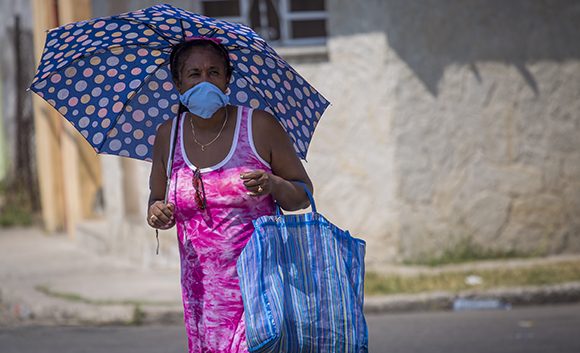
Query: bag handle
{"type": "Point", "coordinates": [308, 193]}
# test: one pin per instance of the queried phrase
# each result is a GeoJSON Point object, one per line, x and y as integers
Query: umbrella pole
{"type": "Point", "coordinates": [174, 137]}
{"type": "Point", "coordinates": [172, 153]}
{"type": "Point", "coordinates": [167, 186]}
{"type": "Point", "coordinates": [165, 202]}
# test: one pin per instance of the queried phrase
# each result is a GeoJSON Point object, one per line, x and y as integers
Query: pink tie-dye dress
{"type": "Point", "coordinates": [211, 240]}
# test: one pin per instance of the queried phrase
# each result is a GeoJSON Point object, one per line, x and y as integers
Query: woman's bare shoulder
{"type": "Point", "coordinates": [265, 122]}
{"type": "Point", "coordinates": [164, 129]}
{"type": "Point", "coordinates": [163, 133]}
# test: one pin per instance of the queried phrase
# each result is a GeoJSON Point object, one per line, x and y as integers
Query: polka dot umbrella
{"type": "Point", "coordinates": [110, 77]}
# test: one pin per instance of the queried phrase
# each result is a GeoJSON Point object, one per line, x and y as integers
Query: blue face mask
{"type": "Point", "coordinates": [204, 99]}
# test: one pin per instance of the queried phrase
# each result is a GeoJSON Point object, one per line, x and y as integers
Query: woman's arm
{"type": "Point", "coordinates": [274, 146]}
{"type": "Point", "coordinates": [160, 215]}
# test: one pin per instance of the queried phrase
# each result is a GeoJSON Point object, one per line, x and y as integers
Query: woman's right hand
{"type": "Point", "coordinates": [160, 215]}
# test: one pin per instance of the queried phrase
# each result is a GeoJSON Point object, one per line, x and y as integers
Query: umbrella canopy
{"type": "Point", "coordinates": [110, 77]}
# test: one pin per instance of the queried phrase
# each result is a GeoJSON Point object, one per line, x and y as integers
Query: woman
{"type": "Point", "coordinates": [230, 166]}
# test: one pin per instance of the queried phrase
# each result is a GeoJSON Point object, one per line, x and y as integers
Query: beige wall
{"type": "Point", "coordinates": [481, 124]}
{"type": "Point", "coordinates": [449, 120]}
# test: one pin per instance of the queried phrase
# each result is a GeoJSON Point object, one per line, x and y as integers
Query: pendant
{"type": "Point", "coordinates": [203, 148]}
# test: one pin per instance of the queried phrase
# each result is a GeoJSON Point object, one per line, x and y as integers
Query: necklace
{"type": "Point", "coordinates": [203, 146]}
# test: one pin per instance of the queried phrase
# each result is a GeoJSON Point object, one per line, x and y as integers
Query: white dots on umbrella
{"type": "Point", "coordinates": [63, 94]}
{"type": "Point", "coordinates": [134, 84]}
{"type": "Point", "coordinates": [270, 63]}
{"type": "Point", "coordinates": [111, 26]}
{"type": "Point", "coordinates": [115, 145]}
{"type": "Point", "coordinates": [47, 68]}
{"type": "Point", "coordinates": [241, 83]}
{"type": "Point", "coordinates": [242, 97]}
{"type": "Point", "coordinates": [112, 61]}
{"type": "Point", "coordinates": [80, 86]}
{"type": "Point", "coordinates": [96, 91]}
{"type": "Point", "coordinates": [161, 74]}
{"type": "Point", "coordinates": [84, 122]}
{"type": "Point", "coordinates": [98, 138]}
{"type": "Point", "coordinates": [243, 68]}
{"type": "Point", "coordinates": [141, 150]}
{"type": "Point", "coordinates": [298, 93]}
{"type": "Point", "coordinates": [153, 112]}
{"type": "Point", "coordinates": [163, 103]}
{"type": "Point", "coordinates": [40, 85]}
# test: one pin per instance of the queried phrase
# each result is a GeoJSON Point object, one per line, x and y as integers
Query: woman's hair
{"type": "Point", "coordinates": [179, 52]}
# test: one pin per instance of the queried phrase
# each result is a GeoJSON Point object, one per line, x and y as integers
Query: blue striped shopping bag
{"type": "Point", "coordinates": [302, 285]}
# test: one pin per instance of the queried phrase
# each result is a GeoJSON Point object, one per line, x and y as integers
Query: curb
{"type": "Point", "coordinates": [62, 312]}
{"type": "Point", "coordinates": [511, 297]}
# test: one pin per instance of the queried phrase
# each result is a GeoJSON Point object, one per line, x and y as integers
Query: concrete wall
{"type": "Point", "coordinates": [449, 120]}
{"type": "Point", "coordinates": [452, 120]}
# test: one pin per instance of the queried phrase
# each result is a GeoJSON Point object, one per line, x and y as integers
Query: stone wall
{"type": "Point", "coordinates": [449, 120]}
{"type": "Point", "coordinates": [351, 158]}
{"type": "Point", "coordinates": [481, 109]}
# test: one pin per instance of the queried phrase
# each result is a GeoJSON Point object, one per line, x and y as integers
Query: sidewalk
{"type": "Point", "coordinates": [49, 280]}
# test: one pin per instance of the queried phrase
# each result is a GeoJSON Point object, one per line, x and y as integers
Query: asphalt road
{"type": "Point", "coordinates": [548, 329]}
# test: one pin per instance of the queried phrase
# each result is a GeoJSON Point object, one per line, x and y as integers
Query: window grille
{"type": "Point", "coordinates": [280, 22]}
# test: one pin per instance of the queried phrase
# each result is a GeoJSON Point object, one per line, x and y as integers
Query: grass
{"type": "Point", "coordinates": [15, 216]}
{"type": "Point", "coordinates": [15, 208]}
{"type": "Point", "coordinates": [554, 273]}
{"type": "Point", "coordinates": [138, 317]}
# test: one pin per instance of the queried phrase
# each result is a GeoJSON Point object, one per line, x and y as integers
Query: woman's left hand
{"type": "Point", "coordinates": [258, 182]}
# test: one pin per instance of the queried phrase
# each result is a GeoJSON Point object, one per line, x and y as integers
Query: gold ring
{"type": "Point", "coordinates": [260, 188]}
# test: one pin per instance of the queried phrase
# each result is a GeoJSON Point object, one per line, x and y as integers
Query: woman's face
{"type": "Point", "coordinates": [201, 64]}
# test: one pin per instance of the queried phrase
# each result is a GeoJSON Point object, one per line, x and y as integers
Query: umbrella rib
{"type": "Point", "coordinates": [182, 29]}
{"type": "Point", "coordinates": [212, 33]}
{"type": "Point", "coordinates": [145, 81]}
{"type": "Point", "coordinates": [146, 25]}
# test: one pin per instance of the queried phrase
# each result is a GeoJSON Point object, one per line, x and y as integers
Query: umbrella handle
{"type": "Point", "coordinates": [165, 201]}
{"type": "Point", "coordinates": [167, 190]}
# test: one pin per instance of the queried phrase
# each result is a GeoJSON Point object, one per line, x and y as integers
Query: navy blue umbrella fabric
{"type": "Point", "coordinates": [110, 78]}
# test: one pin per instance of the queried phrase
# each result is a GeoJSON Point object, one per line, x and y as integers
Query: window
{"type": "Point", "coordinates": [280, 22]}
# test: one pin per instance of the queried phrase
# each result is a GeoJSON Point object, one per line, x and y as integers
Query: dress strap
{"type": "Point", "coordinates": [247, 136]}
{"type": "Point", "coordinates": [175, 145]}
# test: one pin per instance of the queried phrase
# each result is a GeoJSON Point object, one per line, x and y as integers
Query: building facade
{"type": "Point", "coordinates": [450, 122]}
